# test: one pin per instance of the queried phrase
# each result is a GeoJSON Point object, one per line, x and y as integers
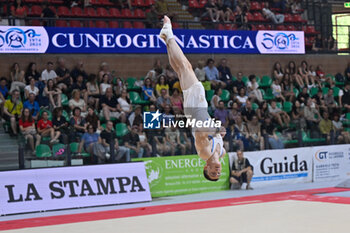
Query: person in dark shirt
{"type": "Point", "coordinates": [241, 172]}
{"type": "Point", "coordinates": [48, 13]}
{"type": "Point", "coordinates": [80, 85]}
{"type": "Point", "coordinates": [225, 73]}
{"type": "Point", "coordinates": [132, 141]}
{"type": "Point", "coordinates": [60, 123]}
{"type": "Point", "coordinates": [347, 73]}
{"type": "Point", "coordinates": [268, 130]}
{"type": "Point", "coordinates": [3, 94]}
{"type": "Point", "coordinates": [303, 96]}
{"type": "Point", "coordinates": [110, 106]}
{"type": "Point", "coordinates": [108, 136]}
{"type": "Point", "coordinates": [238, 83]}
{"type": "Point", "coordinates": [78, 70]}
{"type": "Point", "coordinates": [345, 99]}
{"type": "Point", "coordinates": [248, 112]}
{"type": "Point", "coordinates": [32, 72]}
{"type": "Point", "coordinates": [64, 79]}
{"type": "Point", "coordinates": [78, 124]}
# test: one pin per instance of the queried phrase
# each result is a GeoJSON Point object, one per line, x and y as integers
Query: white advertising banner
{"type": "Point", "coordinates": [71, 187]}
{"type": "Point", "coordinates": [273, 167]}
{"type": "Point", "coordinates": [331, 162]}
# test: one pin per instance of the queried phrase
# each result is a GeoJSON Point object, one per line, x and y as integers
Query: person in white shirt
{"type": "Point", "coordinates": [279, 115]}
{"type": "Point", "coordinates": [31, 88]}
{"type": "Point", "coordinates": [277, 90]}
{"type": "Point", "coordinates": [124, 102]}
{"type": "Point", "coordinates": [200, 72]}
{"type": "Point", "coordinates": [49, 73]}
{"type": "Point", "coordinates": [276, 19]}
{"type": "Point", "coordinates": [253, 89]}
{"type": "Point", "coordinates": [340, 134]}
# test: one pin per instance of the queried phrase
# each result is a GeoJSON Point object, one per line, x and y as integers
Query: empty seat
{"type": "Point", "coordinates": [138, 3]}
{"type": "Point", "coordinates": [194, 4]}
{"type": "Point", "coordinates": [61, 23]}
{"type": "Point", "coordinates": [102, 12]}
{"type": "Point", "coordinates": [58, 2]}
{"type": "Point", "coordinates": [149, 2]}
{"type": "Point", "coordinates": [175, 25]}
{"type": "Point", "coordinates": [139, 25]}
{"type": "Point", "coordinates": [260, 27]}
{"type": "Point", "coordinates": [288, 18]}
{"type": "Point", "coordinates": [280, 28]}
{"type": "Point", "coordinates": [138, 13]}
{"type": "Point", "coordinates": [101, 24]}
{"type": "Point", "coordinates": [105, 2]}
{"type": "Point", "coordinates": [290, 28]}
{"type": "Point", "coordinates": [126, 13]}
{"type": "Point", "coordinates": [113, 24]}
{"type": "Point", "coordinates": [53, 9]}
{"type": "Point", "coordinates": [77, 12]}
{"type": "Point", "coordinates": [63, 11]}
{"type": "Point", "coordinates": [36, 22]}
{"type": "Point", "coordinates": [255, 6]}
{"type": "Point", "coordinates": [90, 12]}
{"type": "Point", "coordinates": [114, 12]}
{"type": "Point", "coordinates": [127, 25]}
{"type": "Point", "coordinates": [35, 11]}
{"type": "Point", "coordinates": [75, 23]}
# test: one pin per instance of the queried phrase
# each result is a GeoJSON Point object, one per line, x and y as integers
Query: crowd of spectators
{"type": "Point", "coordinates": [62, 105]}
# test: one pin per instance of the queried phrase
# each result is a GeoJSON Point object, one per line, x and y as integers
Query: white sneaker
{"type": "Point", "coordinates": [108, 156]}
{"type": "Point", "coordinates": [166, 33]}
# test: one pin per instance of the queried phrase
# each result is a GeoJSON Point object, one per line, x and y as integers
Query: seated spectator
{"type": "Point", "coordinates": [277, 71]}
{"type": "Point", "coordinates": [221, 10]}
{"type": "Point", "coordinates": [200, 71]}
{"type": "Point", "coordinates": [275, 18]}
{"type": "Point", "coordinates": [222, 114]}
{"type": "Point", "coordinates": [241, 133]}
{"type": "Point", "coordinates": [92, 119]}
{"type": "Point", "coordinates": [311, 121]}
{"type": "Point", "coordinates": [240, 19]}
{"type": "Point", "coordinates": [132, 141]}
{"type": "Point", "coordinates": [53, 93]}
{"type": "Point", "coordinates": [172, 137]}
{"type": "Point", "coordinates": [234, 113]}
{"type": "Point", "coordinates": [167, 116]}
{"type": "Point", "coordinates": [148, 91]}
{"type": "Point", "coordinates": [31, 89]}
{"type": "Point", "coordinates": [13, 110]}
{"type": "Point", "coordinates": [17, 78]}
{"type": "Point", "coordinates": [212, 10]}
{"type": "Point", "coordinates": [3, 95]}
{"type": "Point", "coordinates": [78, 125]}
{"type": "Point", "coordinates": [60, 124]}
{"type": "Point", "coordinates": [317, 45]}
{"type": "Point", "coordinates": [330, 44]}
{"type": "Point", "coordinates": [47, 12]}
{"type": "Point", "coordinates": [293, 73]}
{"type": "Point", "coordinates": [269, 132]}
{"type": "Point", "coordinates": [27, 129]}
{"type": "Point", "coordinates": [176, 100]}
{"type": "Point", "coordinates": [326, 127]}
{"type": "Point", "coordinates": [108, 136]}
{"type": "Point", "coordinates": [253, 89]}
{"type": "Point", "coordinates": [278, 114]}
{"type": "Point", "coordinates": [33, 106]}
{"type": "Point", "coordinates": [49, 73]}
{"type": "Point", "coordinates": [163, 100]}
{"type": "Point", "coordinates": [214, 102]}
{"type": "Point", "coordinates": [343, 136]}
{"type": "Point", "coordinates": [225, 73]}
{"type": "Point", "coordinates": [345, 99]}
{"type": "Point", "coordinates": [287, 88]}
{"type": "Point", "coordinates": [119, 87]}
{"type": "Point", "coordinates": [248, 112]}
{"type": "Point", "coordinates": [321, 77]}
{"type": "Point", "coordinates": [79, 70]}
{"type": "Point", "coordinates": [238, 84]}
{"type": "Point", "coordinates": [155, 71]}
{"type": "Point", "coordinates": [91, 142]}
{"type": "Point", "coordinates": [105, 84]}
{"type": "Point", "coordinates": [254, 130]}
{"type": "Point", "coordinates": [186, 141]}
{"type": "Point", "coordinates": [80, 85]}
{"type": "Point", "coordinates": [229, 8]}
{"type": "Point", "coordinates": [347, 73]}
{"type": "Point", "coordinates": [318, 101]}
{"type": "Point", "coordinates": [329, 101]}
{"type": "Point", "coordinates": [136, 118]}
{"type": "Point", "coordinates": [163, 9]}
{"type": "Point", "coordinates": [298, 115]}
{"type": "Point", "coordinates": [277, 91]}
{"type": "Point", "coordinates": [303, 96]}
{"type": "Point", "coordinates": [104, 70]}
{"type": "Point", "coordinates": [76, 101]}
{"type": "Point", "coordinates": [242, 97]}
{"type": "Point", "coordinates": [262, 112]}
{"type": "Point", "coordinates": [110, 107]}
{"type": "Point", "coordinates": [18, 11]}
{"type": "Point", "coordinates": [45, 128]}
{"type": "Point", "coordinates": [125, 103]}
{"type": "Point", "coordinates": [296, 7]}
{"type": "Point", "coordinates": [93, 91]}
{"type": "Point", "coordinates": [242, 172]}
{"type": "Point", "coordinates": [162, 84]}
{"type": "Point", "coordinates": [32, 72]}
{"type": "Point", "coordinates": [64, 80]}
{"type": "Point", "coordinates": [212, 74]}
{"type": "Point", "coordinates": [152, 18]}
{"type": "Point", "coordinates": [304, 73]}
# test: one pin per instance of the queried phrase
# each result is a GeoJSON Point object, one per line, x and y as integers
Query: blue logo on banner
{"type": "Point", "coordinates": [151, 120]}
{"type": "Point", "coordinates": [280, 40]}
{"type": "Point", "coordinates": [16, 37]}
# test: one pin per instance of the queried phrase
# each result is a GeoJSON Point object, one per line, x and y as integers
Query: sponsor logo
{"type": "Point", "coordinates": [154, 172]}
{"type": "Point", "coordinates": [280, 42]}
{"type": "Point", "coordinates": [23, 39]}
{"type": "Point", "coordinates": [268, 166]}
{"type": "Point", "coordinates": [151, 120]}
{"type": "Point", "coordinates": [321, 155]}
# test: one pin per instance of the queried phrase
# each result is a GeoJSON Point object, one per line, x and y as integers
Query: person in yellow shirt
{"type": "Point", "coordinates": [326, 126]}
{"type": "Point", "coordinates": [12, 110]}
{"type": "Point", "coordinates": [162, 84]}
